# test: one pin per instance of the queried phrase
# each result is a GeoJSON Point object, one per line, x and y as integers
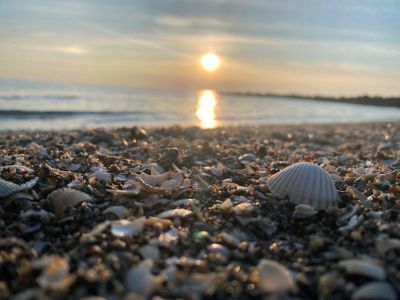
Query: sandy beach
{"type": "Point", "coordinates": [186, 213]}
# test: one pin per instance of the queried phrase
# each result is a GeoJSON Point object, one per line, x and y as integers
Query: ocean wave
{"type": "Point", "coordinates": [38, 114]}
{"type": "Point", "coordinates": [46, 97]}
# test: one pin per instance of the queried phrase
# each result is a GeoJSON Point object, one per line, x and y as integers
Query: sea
{"type": "Point", "coordinates": [34, 105]}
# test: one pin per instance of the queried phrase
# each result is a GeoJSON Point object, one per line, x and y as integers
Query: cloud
{"type": "Point", "coordinates": [177, 21]}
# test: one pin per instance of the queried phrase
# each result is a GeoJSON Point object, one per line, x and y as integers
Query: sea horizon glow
{"type": "Point", "coordinates": [308, 47]}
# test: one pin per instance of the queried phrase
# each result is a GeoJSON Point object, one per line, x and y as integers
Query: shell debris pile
{"type": "Point", "coordinates": [281, 212]}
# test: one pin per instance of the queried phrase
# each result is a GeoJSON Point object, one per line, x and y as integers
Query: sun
{"type": "Point", "coordinates": [210, 62]}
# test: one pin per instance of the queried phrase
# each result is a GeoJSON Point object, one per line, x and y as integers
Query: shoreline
{"type": "Point", "coordinates": [181, 212]}
{"type": "Point", "coordinates": [360, 100]}
{"type": "Point", "coordinates": [226, 127]}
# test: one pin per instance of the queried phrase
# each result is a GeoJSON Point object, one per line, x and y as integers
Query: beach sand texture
{"type": "Point", "coordinates": [183, 212]}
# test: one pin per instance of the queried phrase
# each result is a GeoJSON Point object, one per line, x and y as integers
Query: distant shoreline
{"type": "Point", "coordinates": [363, 100]}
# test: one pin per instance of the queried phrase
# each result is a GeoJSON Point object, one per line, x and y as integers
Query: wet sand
{"type": "Point", "coordinates": [186, 213]}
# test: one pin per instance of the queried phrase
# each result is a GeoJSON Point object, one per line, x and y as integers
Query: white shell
{"type": "Point", "coordinates": [304, 183]}
{"type": "Point", "coordinates": [374, 290]}
{"type": "Point", "coordinates": [127, 229]}
{"type": "Point", "coordinates": [175, 213]}
{"type": "Point", "coordinates": [140, 280]}
{"type": "Point", "coordinates": [303, 211]}
{"type": "Point", "coordinates": [117, 210]}
{"type": "Point", "coordinates": [274, 277]}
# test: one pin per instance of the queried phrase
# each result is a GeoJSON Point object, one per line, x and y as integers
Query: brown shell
{"type": "Point", "coordinates": [62, 198]}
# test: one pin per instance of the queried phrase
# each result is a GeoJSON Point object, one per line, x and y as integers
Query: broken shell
{"type": "Point", "coordinates": [150, 251]}
{"type": "Point", "coordinates": [168, 238]}
{"type": "Point", "coordinates": [17, 197]}
{"type": "Point", "coordinates": [175, 213]}
{"type": "Point", "coordinates": [363, 268]}
{"type": "Point", "coordinates": [56, 276]}
{"type": "Point", "coordinates": [247, 158]}
{"type": "Point", "coordinates": [20, 168]}
{"type": "Point", "coordinates": [165, 182]}
{"type": "Point", "coordinates": [356, 193]}
{"type": "Point", "coordinates": [62, 198]}
{"type": "Point", "coordinates": [245, 208]}
{"type": "Point", "coordinates": [127, 229]}
{"type": "Point", "coordinates": [118, 211]}
{"type": "Point", "coordinates": [352, 224]}
{"type": "Point", "coordinates": [304, 183]}
{"type": "Point", "coordinates": [29, 184]}
{"type": "Point", "coordinates": [303, 211]}
{"type": "Point", "coordinates": [139, 278]}
{"type": "Point", "coordinates": [384, 244]}
{"type": "Point", "coordinates": [274, 277]}
{"type": "Point", "coordinates": [374, 290]}
{"type": "Point", "coordinates": [102, 175]}
{"type": "Point", "coordinates": [185, 202]}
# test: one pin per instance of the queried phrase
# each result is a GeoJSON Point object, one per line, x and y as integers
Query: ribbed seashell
{"type": "Point", "coordinates": [303, 211]}
{"type": "Point", "coordinates": [274, 277]}
{"type": "Point", "coordinates": [304, 183]}
{"type": "Point", "coordinates": [374, 290]}
{"type": "Point", "coordinates": [62, 198]}
{"type": "Point", "coordinates": [363, 268]}
{"type": "Point", "coordinates": [7, 188]}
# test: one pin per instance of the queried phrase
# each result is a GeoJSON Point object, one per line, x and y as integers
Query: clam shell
{"type": "Point", "coordinates": [7, 188]}
{"type": "Point", "coordinates": [304, 183]}
{"type": "Point", "coordinates": [62, 198]}
{"type": "Point", "coordinates": [375, 290]}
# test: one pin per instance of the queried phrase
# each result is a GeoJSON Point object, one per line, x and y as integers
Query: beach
{"type": "Point", "coordinates": [182, 212]}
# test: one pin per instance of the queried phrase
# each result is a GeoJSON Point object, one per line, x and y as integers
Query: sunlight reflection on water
{"type": "Point", "coordinates": [206, 107]}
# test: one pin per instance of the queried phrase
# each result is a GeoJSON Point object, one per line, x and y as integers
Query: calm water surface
{"type": "Point", "coordinates": [38, 105]}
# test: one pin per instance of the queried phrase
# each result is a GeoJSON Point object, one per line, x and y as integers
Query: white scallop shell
{"type": "Point", "coordinates": [304, 183]}
{"type": "Point", "coordinates": [62, 198]}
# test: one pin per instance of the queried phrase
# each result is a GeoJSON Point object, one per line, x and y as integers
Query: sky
{"type": "Point", "coordinates": [324, 47]}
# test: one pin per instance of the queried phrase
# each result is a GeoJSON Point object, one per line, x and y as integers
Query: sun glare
{"type": "Point", "coordinates": [206, 109]}
{"type": "Point", "coordinates": [210, 62]}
